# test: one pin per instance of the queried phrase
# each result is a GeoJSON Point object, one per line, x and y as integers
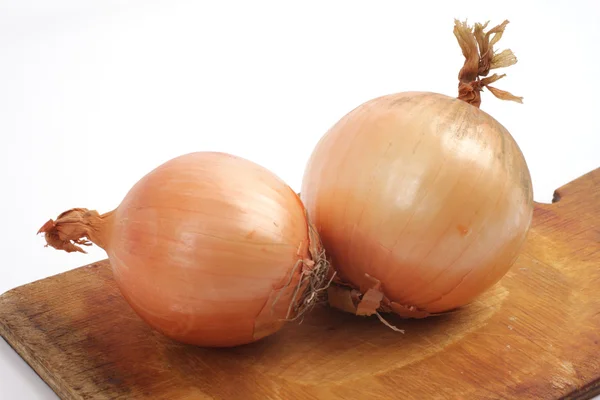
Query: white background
{"type": "Point", "coordinates": [94, 94]}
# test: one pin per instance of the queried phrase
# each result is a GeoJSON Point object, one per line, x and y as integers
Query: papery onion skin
{"type": "Point", "coordinates": [201, 246]}
{"type": "Point", "coordinates": [423, 192]}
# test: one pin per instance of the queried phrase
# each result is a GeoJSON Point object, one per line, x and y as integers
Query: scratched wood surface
{"type": "Point", "coordinates": [535, 335]}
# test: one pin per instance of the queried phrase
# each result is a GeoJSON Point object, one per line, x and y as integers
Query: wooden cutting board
{"type": "Point", "coordinates": [535, 335]}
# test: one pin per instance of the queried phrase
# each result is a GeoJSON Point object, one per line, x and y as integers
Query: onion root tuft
{"type": "Point", "coordinates": [314, 280]}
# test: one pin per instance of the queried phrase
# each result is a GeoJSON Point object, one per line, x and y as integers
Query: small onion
{"type": "Point", "coordinates": [422, 201]}
{"type": "Point", "coordinates": [209, 249]}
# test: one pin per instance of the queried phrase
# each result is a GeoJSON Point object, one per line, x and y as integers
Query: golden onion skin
{"type": "Point", "coordinates": [424, 192]}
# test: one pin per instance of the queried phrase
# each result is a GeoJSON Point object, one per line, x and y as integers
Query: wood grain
{"type": "Point", "coordinates": [535, 335]}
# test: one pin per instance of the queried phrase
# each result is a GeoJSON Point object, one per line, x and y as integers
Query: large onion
{"type": "Point", "coordinates": [422, 201]}
{"type": "Point", "coordinates": [208, 248]}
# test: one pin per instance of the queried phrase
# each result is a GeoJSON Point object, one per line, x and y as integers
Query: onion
{"type": "Point", "coordinates": [422, 201]}
{"type": "Point", "coordinates": [209, 249]}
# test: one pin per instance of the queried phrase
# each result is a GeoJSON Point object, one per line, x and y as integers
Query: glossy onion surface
{"type": "Point", "coordinates": [424, 192]}
{"type": "Point", "coordinates": [201, 246]}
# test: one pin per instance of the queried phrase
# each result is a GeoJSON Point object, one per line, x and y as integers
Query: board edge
{"type": "Point", "coordinates": [11, 291]}
{"type": "Point", "coordinates": [586, 392]}
{"type": "Point", "coordinates": [37, 366]}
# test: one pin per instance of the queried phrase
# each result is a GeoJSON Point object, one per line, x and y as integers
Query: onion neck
{"type": "Point", "coordinates": [79, 227]}
{"type": "Point", "coordinates": [477, 48]}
